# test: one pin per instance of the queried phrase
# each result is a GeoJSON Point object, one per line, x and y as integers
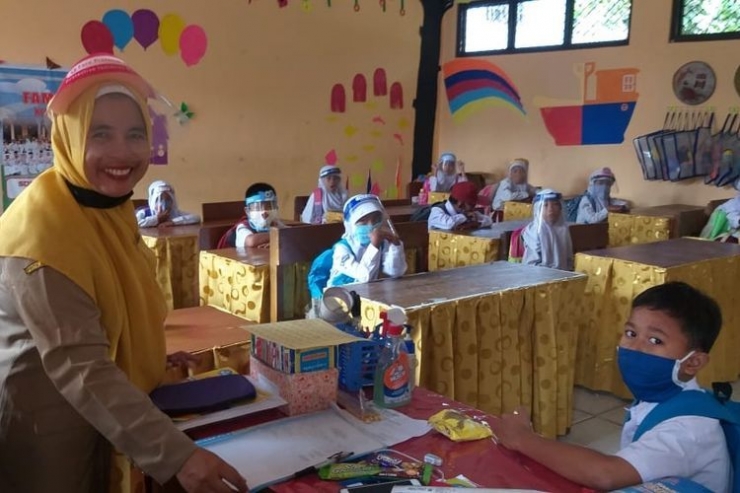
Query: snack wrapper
{"type": "Point", "coordinates": [458, 427]}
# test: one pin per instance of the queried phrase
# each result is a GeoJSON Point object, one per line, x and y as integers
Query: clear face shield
{"type": "Point", "coordinates": [262, 210]}
{"type": "Point", "coordinates": [163, 203]}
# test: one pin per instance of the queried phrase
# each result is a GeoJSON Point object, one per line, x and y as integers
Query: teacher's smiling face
{"type": "Point", "coordinates": [117, 148]}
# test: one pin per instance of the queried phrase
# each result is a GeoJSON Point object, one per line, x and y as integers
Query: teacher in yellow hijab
{"type": "Point", "coordinates": [81, 315]}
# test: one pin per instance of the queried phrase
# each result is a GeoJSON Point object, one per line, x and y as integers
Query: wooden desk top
{"type": "Point", "coordinates": [669, 253]}
{"type": "Point", "coordinates": [203, 327]}
{"type": "Point", "coordinates": [493, 233]}
{"type": "Point", "coordinates": [444, 285]}
{"type": "Point", "coordinates": [251, 256]}
{"type": "Point", "coordinates": [171, 231]}
{"type": "Point", "coordinates": [667, 210]}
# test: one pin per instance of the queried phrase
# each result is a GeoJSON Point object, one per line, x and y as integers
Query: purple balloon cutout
{"type": "Point", "coordinates": [146, 27]}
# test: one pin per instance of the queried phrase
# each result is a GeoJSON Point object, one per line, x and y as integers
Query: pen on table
{"type": "Point", "coordinates": [332, 459]}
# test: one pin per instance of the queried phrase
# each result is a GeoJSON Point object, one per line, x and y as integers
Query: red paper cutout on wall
{"type": "Point", "coordinates": [359, 89]}
{"type": "Point", "coordinates": [282, 3]}
{"type": "Point", "coordinates": [399, 138]}
{"type": "Point", "coordinates": [396, 96]}
{"type": "Point", "coordinates": [331, 157]}
{"type": "Point", "coordinates": [338, 99]}
{"type": "Point", "coordinates": [96, 38]}
{"type": "Point", "coordinates": [380, 86]}
{"type": "Point", "coordinates": [378, 119]}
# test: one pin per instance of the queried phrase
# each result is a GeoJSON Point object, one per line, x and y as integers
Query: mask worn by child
{"type": "Point", "coordinates": [164, 205]}
{"type": "Point", "coordinates": [260, 223]}
{"type": "Point", "coordinates": [650, 378]}
{"type": "Point", "coordinates": [363, 232]}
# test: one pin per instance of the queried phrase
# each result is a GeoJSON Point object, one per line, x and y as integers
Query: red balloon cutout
{"type": "Point", "coordinates": [97, 38]}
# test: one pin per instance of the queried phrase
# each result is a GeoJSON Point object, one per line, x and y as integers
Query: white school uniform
{"type": "Point", "coordinates": [368, 262]}
{"type": "Point", "coordinates": [692, 447]}
{"type": "Point", "coordinates": [507, 191]}
{"type": "Point", "coordinates": [447, 218]}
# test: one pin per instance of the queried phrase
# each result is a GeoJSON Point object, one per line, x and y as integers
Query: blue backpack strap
{"type": "Point", "coordinates": [687, 403]}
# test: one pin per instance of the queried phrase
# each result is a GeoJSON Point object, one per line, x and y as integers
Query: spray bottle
{"type": "Point", "coordinates": [393, 375]}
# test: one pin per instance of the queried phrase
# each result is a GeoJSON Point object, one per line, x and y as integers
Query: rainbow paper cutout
{"type": "Point", "coordinates": [472, 85]}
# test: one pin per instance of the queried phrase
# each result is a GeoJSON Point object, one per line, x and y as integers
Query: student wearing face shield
{"type": "Point", "coordinates": [448, 171]}
{"type": "Point", "coordinates": [261, 209]}
{"type": "Point", "coordinates": [597, 202]}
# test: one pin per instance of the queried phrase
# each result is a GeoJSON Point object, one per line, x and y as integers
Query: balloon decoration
{"type": "Point", "coordinates": [118, 28]}
{"type": "Point", "coordinates": [146, 27]}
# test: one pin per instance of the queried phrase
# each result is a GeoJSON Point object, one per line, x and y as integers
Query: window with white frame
{"type": "Point", "coordinates": [510, 26]}
{"type": "Point", "coordinates": [700, 20]}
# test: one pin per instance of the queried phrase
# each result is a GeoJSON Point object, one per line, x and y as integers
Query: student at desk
{"type": "Point", "coordinates": [547, 239]}
{"type": "Point", "coordinates": [515, 186]}
{"type": "Point", "coordinates": [664, 346]}
{"type": "Point", "coordinates": [330, 196]}
{"type": "Point", "coordinates": [261, 210]}
{"type": "Point", "coordinates": [457, 212]}
{"type": "Point", "coordinates": [162, 209]}
{"type": "Point", "coordinates": [596, 204]}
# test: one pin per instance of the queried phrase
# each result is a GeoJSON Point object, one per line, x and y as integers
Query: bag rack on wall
{"type": "Point", "coordinates": [688, 147]}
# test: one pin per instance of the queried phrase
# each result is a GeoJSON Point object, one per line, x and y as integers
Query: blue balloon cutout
{"type": "Point", "coordinates": [121, 26]}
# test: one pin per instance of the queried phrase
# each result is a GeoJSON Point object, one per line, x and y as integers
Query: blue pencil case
{"type": "Point", "coordinates": [202, 396]}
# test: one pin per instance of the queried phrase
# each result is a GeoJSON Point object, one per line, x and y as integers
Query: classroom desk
{"type": "Point", "coordinates": [450, 249]}
{"type": "Point", "coordinates": [686, 220]}
{"type": "Point", "coordinates": [176, 252]}
{"type": "Point", "coordinates": [218, 339]}
{"type": "Point", "coordinates": [517, 211]}
{"type": "Point", "coordinates": [494, 336]}
{"type": "Point", "coordinates": [237, 281]}
{"type": "Point", "coordinates": [401, 213]}
{"type": "Point", "coordinates": [617, 275]}
{"type": "Point", "coordinates": [481, 461]}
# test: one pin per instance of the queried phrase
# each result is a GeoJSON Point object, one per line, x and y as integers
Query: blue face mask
{"type": "Point", "coordinates": [649, 377]}
{"type": "Point", "coordinates": [362, 233]}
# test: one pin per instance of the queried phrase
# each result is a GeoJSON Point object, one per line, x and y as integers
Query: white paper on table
{"type": "Point", "coordinates": [268, 398]}
{"type": "Point", "coordinates": [274, 451]}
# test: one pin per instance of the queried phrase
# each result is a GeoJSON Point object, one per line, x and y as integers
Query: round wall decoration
{"type": "Point", "coordinates": [694, 83]}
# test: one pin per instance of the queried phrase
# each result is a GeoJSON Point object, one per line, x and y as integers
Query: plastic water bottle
{"type": "Point", "coordinates": [393, 375]}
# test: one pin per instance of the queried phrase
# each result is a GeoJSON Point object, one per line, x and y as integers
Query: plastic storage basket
{"type": "Point", "coordinates": [357, 361]}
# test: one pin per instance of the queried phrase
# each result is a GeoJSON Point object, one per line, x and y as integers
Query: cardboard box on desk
{"type": "Point", "coordinates": [305, 392]}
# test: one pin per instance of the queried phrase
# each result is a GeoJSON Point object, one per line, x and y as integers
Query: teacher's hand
{"type": "Point", "coordinates": [182, 359]}
{"type": "Point", "coordinates": [511, 428]}
{"type": "Point", "coordinates": [205, 472]}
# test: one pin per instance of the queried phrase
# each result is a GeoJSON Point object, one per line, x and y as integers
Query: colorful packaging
{"type": "Point", "coordinates": [458, 427]}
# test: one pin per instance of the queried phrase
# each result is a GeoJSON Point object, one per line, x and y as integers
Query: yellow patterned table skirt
{"type": "Point", "coordinates": [613, 284]}
{"type": "Point", "coordinates": [235, 287]}
{"type": "Point", "coordinates": [449, 250]}
{"type": "Point", "coordinates": [177, 264]}
{"type": "Point", "coordinates": [435, 197]}
{"type": "Point", "coordinates": [490, 351]}
{"type": "Point", "coordinates": [333, 217]}
{"type": "Point", "coordinates": [515, 211]}
{"type": "Point", "coordinates": [631, 229]}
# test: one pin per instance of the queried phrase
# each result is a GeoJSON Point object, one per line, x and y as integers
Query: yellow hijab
{"type": "Point", "coordinates": [100, 250]}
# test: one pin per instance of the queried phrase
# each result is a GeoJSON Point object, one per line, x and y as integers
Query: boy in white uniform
{"type": "Point", "coordinates": [665, 343]}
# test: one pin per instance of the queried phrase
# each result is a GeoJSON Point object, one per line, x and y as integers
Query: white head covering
{"type": "Point", "coordinates": [600, 192]}
{"type": "Point", "coordinates": [355, 209]}
{"type": "Point", "coordinates": [551, 240]}
{"type": "Point", "coordinates": [332, 201]}
{"type": "Point", "coordinates": [156, 196]}
{"type": "Point", "coordinates": [519, 163]}
{"type": "Point", "coordinates": [445, 181]}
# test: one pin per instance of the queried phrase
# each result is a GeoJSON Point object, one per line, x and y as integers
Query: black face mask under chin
{"type": "Point", "coordinates": [90, 198]}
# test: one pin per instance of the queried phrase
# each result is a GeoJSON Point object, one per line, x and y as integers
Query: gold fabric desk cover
{"type": "Point", "coordinates": [624, 229]}
{"type": "Point", "coordinates": [633, 229]}
{"type": "Point", "coordinates": [176, 250]}
{"type": "Point", "coordinates": [435, 197]}
{"type": "Point", "coordinates": [508, 338]}
{"type": "Point", "coordinates": [450, 249]}
{"type": "Point", "coordinates": [237, 281]}
{"type": "Point", "coordinates": [517, 211]}
{"type": "Point", "coordinates": [618, 275]}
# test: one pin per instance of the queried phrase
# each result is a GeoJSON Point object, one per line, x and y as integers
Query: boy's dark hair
{"type": "Point", "coordinates": [257, 188]}
{"type": "Point", "coordinates": [698, 314]}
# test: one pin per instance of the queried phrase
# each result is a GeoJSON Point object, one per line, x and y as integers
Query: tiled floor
{"type": "Point", "coordinates": [598, 418]}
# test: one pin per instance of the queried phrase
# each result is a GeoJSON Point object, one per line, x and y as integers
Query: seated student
{"type": "Point", "coordinates": [162, 209]}
{"type": "Point", "coordinates": [445, 174]}
{"type": "Point", "coordinates": [547, 238]}
{"type": "Point", "coordinates": [514, 186]}
{"type": "Point", "coordinates": [261, 210]}
{"type": "Point", "coordinates": [458, 212]}
{"type": "Point", "coordinates": [330, 196]}
{"type": "Point", "coordinates": [369, 245]}
{"type": "Point", "coordinates": [724, 223]}
{"type": "Point", "coordinates": [597, 202]}
{"type": "Point", "coordinates": [665, 344]}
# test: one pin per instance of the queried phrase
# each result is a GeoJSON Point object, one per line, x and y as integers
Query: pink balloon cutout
{"type": "Point", "coordinates": [193, 44]}
{"type": "Point", "coordinates": [146, 27]}
{"type": "Point", "coordinates": [97, 38]}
